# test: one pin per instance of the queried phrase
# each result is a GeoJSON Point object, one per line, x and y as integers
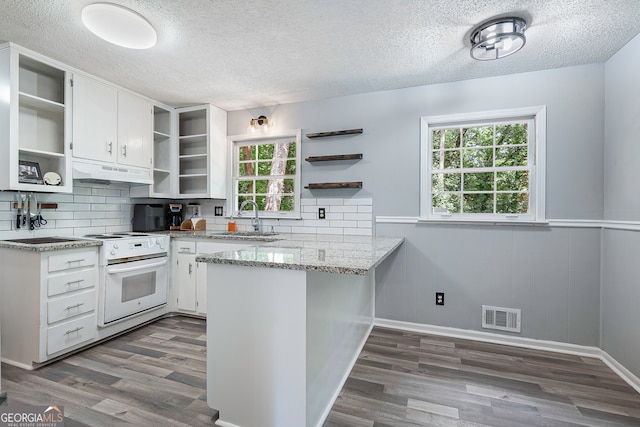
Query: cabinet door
{"type": "Point", "coordinates": [186, 282]}
{"type": "Point", "coordinates": [135, 129]}
{"type": "Point", "coordinates": [95, 107]}
{"type": "Point", "coordinates": [201, 288]}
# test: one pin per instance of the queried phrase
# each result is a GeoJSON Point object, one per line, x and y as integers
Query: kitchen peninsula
{"type": "Point", "coordinates": [286, 322]}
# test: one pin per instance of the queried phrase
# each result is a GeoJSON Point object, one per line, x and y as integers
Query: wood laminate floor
{"type": "Point", "coordinates": [155, 376]}
{"type": "Point", "coordinates": [410, 379]}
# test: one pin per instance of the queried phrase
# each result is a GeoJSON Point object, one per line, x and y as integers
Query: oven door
{"type": "Point", "coordinates": [133, 287]}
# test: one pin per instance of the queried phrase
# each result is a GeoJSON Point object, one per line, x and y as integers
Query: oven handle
{"type": "Point", "coordinates": [112, 270]}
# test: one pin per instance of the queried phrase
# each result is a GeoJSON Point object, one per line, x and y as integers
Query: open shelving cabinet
{"type": "Point", "coordinates": [35, 122]}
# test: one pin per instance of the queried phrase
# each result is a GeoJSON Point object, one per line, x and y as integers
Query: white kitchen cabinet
{"type": "Point", "coordinates": [165, 163]}
{"type": "Point", "coordinates": [47, 303]}
{"type": "Point", "coordinates": [202, 152]}
{"type": "Point", "coordinates": [190, 277]}
{"type": "Point", "coordinates": [35, 121]}
{"type": "Point", "coordinates": [185, 277]}
{"type": "Point", "coordinates": [110, 125]}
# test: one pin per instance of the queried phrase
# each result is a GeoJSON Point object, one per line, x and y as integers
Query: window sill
{"type": "Point", "coordinates": [481, 221]}
{"type": "Point", "coordinates": [418, 220]}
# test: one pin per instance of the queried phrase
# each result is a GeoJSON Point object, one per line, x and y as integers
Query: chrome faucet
{"type": "Point", "coordinates": [256, 220]}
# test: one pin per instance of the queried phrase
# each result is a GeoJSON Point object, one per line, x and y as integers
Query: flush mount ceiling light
{"type": "Point", "coordinates": [119, 25]}
{"type": "Point", "coordinates": [261, 122]}
{"type": "Point", "coordinates": [497, 38]}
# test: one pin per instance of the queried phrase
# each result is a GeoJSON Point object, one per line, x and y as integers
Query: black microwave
{"type": "Point", "coordinates": [149, 217]}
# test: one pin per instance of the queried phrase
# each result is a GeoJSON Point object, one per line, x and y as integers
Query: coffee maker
{"type": "Point", "coordinates": [175, 216]}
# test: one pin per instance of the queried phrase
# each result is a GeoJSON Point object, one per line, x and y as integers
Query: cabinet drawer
{"type": "Point", "coordinates": [67, 260]}
{"type": "Point", "coordinates": [70, 306]}
{"type": "Point", "coordinates": [186, 247]}
{"type": "Point", "coordinates": [70, 333]}
{"type": "Point", "coordinates": [68, 282]}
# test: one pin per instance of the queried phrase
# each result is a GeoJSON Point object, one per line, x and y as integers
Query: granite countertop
{"type": "Point", "coordinates": [224, 235]}
{"type": "Point", "coordinates": [312, 252]}
{"type": "Point", "coordinates": [34, 244]}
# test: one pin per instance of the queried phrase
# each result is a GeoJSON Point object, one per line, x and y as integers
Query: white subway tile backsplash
{"type": "Point", "coordinates": [358, 231]}
{"type": "Point", "coordinates": [365, 224]}
{"type": "Point", "coordinates": [307, 202]}
{"type": "Point", "coordinates": [344, 209]}
{"type": "Point", "coordinates": [365, 208]}
{"type": "Point", "coordinates": [334, 215]}
{"type": "Point", "coordinates": [73, 207]}
{"type": "Point", "coordinates": [89, 199]}
{"type": "Point", "coordinates": [344, 224]}
{"type": "Point", "coordinates": [331, 230]}
{"type": "Point", "coordinates": [359, 201]}
{"type": "Point", "coordinates": [90, 209]}
{"type": "Point", "coordinates": [357, 216]}
{"type": "Point", "coordinates": [331, 202]}
{"type": "Point", "coordinates": [304, 230]}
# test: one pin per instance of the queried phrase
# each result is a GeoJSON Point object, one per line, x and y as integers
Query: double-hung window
{"type": "Point", "coordinates": [484, 166]}
{"type": "Point", "coordinates": [266, 170]}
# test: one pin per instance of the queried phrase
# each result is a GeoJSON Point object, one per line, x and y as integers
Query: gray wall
{"type": "Point", "coordinates": [552, 274]}
{"type": "Point", "coordinates": [620, 285]}
{"type": "Point", "coordinates": [391, 141]}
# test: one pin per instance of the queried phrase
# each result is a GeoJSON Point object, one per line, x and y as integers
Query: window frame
{"type": "Point", "coordinates": [251, 139]}
{"type": "Point", "coordinates": [537, 149]}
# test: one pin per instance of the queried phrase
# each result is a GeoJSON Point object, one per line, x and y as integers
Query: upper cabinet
{"type": "Point", "coordinates": [111, 125]}
{"type": "Point", "coordinates": [190, 153]}
{"type": "Point", "coordinates": [34, 122]}
{"type": "Point", "coordinates": [202, 152]}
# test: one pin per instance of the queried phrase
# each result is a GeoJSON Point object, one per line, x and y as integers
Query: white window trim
{"type": "Point", "coordinates": [537, 193]}
{"type": "Point", "coordinates": [235, 140]}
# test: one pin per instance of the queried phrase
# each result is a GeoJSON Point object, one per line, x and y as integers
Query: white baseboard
{"type": "Point", "coordinates": [554, 346]}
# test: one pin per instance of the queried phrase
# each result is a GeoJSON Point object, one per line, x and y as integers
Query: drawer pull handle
{"type": "Point", "coordinates": [74, 282]}
{"type": "Point", "coordinates": [75, 260]}
{"type": "Point", "coordinates": [71, 307]}
{"type": "Point", "coordinates": [69, 332]}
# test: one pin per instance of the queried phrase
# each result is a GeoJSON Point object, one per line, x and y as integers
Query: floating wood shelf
{"type": "Point", "coordinates": [316, 186]}
{"type": "Point", "coordinates": [42, 205]}
{"type": "Point", "coordinates": [334, 133]}
{"type": "Point", "coordinates": [334, 157]}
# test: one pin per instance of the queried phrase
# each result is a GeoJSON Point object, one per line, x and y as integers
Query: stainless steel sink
{"type": "Point", "coordinates": [42, 240]}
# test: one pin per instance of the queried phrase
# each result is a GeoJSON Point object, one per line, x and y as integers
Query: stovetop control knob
{"type": "Point", "coordinates": [115, 246]}
{"type": "Point", "coordinates": [112, 252]}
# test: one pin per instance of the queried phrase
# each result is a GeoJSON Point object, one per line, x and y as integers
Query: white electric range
{"type": "Point", "coordinates": [134, 275]}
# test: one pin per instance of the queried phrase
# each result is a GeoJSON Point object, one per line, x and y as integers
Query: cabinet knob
{"type": "Point", "coordinates": [110, 147]}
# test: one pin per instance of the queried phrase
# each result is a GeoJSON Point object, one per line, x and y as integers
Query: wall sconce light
{"type": "Point", "coordinates": [261, 123]}
{"type": "Point", "coordinates": [497, 38]}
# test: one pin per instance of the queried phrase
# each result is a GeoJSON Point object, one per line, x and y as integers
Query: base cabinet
{"type": "Point", "coordinates": [47, 303]}
{"type": "Point", "coordinates": [190, 277]}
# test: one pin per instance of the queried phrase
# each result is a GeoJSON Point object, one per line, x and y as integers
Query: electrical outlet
{"type": "Point", "coordinates": [439, 298]}
{"type": "Point", "coordinates": [218, 210]}
{"type": "Point", "coordinates": [321, 213]}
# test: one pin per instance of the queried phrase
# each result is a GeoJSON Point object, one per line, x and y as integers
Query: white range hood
{"type": "Point", "coordinates": [88, 171]}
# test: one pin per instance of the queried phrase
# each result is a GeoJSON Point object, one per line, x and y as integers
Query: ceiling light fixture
{"type": "Point", "coordinates": [119, 25]}
{"type": "Point", "coordinates": [261, 122]}
{"type": "Point", "coordinates": [497, 38]}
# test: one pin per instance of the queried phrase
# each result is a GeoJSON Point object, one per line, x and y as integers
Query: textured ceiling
{"type": "Point", "coordinates": [242, 53]}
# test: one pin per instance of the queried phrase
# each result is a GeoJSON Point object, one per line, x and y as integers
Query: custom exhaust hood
{"type": "Point", "coordinates": [96, 172]}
